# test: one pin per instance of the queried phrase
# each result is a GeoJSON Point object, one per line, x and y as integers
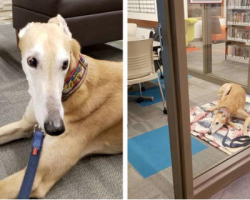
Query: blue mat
{"type": "Point", "coordinates": [153, 91]}
{"type": "Point", "coordinates": [149, 153]}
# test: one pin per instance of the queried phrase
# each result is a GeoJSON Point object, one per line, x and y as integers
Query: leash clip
{"type": "Point", "coordinates": [38, 138]}
{"type": "Point", "coordinates": [37, 127]}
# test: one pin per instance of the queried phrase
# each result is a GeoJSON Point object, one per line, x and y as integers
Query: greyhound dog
{"type": "Point", "coordinates": [231, 103]}
{"type": "Point", "coordinates": [76, 99]}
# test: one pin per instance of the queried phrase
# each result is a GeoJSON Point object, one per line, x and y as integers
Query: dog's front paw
{"type": "Point", "coordinates": [245, 132]}
{"type": "Point", "coordinates": [238, 128]}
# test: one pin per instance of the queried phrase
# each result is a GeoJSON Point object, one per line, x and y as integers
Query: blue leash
{"type": "Point", "coordinates": [240, 141]}
{"type": "Point", "coordinates": [32, 165]}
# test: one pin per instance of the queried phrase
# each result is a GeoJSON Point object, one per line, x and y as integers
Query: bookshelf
{"type": "Point", "coordinates": [238, 30]}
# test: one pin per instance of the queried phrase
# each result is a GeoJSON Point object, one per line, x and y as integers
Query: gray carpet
{"type": "Point", "coordinates": [144, 119]}
{"type": "Point", "coordinates": [94, 177]}
{"type": "Point", "coordinates": [239, 189]}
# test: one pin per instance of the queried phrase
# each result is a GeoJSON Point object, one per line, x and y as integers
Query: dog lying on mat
{"type": "Point", "coordinates": [76, 99]}
{"type": "Point", "coordinates": [231, 103]}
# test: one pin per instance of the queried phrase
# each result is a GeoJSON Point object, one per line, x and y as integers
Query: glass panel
{"type": "Point", "coordinates": [223, 32]}
{"type": "Point", "coordinates": [193, 35]}
{"type": "Point", "coordinates": [149, 159]}
{"type": "Point", "coordinates": [230, 59]}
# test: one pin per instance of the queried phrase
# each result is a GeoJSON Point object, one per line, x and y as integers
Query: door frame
{"type": "Point", "coordinates": [176, 88]}
{"type": "Point", "coordinates": [171, 21]}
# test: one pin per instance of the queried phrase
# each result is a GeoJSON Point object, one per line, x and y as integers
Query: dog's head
{"type": "Point", "coordinates": [46, 53]}
{"type": "Point", "coordinates": [219, 120]}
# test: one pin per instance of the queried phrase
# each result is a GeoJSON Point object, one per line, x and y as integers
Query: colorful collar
{"type": "Point", "coordinates": [75, 79]}
{"type": "Point", "coordinates": [224, 110]}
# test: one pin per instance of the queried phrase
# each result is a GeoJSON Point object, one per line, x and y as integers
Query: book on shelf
{"type": "Point", "coordinates": [239, 17]}
{"type": "Point", "coordinates": [239, 34]}
{"type": "Point", "coordinates": [239, 3]}
{"type": "Point", "coordinates": [238, 51]}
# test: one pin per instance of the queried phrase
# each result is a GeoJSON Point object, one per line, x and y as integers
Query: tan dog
{"type": "Point", "coordinates": [88, 122]}
{"type": "Point", "coordinates": [231, 103]}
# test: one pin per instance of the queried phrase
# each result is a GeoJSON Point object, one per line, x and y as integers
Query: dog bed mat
{"type": "Point", "coordinates": [200, 121]}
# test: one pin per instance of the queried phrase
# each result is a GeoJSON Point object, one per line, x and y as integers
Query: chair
{"type": "Point", "coordinates": [220, 36]}
{"type": "Point", "coordinates": [216, 37]}
{"type": "Point", "coordinates": [141, 67]}
{"type": "Point", "coordinates": [132, 29]}
{"type": "Point", "coordinates": [154, 33]}
{"type": "Point", "coordinates": [189, 29]}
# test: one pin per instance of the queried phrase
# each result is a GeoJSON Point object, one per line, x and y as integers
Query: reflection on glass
{"type": "Point", "coordinates": [220, 45]}
{"type": "Point", "coordinates": [193, 35]}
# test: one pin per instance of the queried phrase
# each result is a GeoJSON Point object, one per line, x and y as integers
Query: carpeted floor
{"type": "Point", "coordinates": [94, 177]}
{"type": "Point", "coordinates": [144, 119]}
{"type": "Point", "coordinates": [239, 189]}
{"type": "Point", "coordinates": [221, 67]}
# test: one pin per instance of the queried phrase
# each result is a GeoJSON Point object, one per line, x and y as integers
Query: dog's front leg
{"type": "Point", "coordinates": [245, 125]}
{"type": "Point", "coordinates": [10, 186]}
{"type": "Point", "coordinates": [212, 109]}
{"type": "Point", "coordinates": [233, 125]}
{"type": "Point", "coordinates": [59, 155]}
{"type": "Point", "coordinates": [243, 115]}
{"type": "Point", "coordinates": [19, 129]}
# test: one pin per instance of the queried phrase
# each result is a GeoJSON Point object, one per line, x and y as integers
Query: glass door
{"type": "Point", "coordinates": [223, 29]}
{"type": "Point", "coordinates": [202, 163]}
{"type": "Point", "coordinates": [174, 59]}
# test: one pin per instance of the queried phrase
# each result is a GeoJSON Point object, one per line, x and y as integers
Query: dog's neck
{"type": "Point", "coordinates": [75, 77]}
{"type": "Point", "coordinates": [225, 110]}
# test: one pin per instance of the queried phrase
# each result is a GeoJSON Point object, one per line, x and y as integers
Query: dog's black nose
{"type": "Point", "coordinates": [52, 129]}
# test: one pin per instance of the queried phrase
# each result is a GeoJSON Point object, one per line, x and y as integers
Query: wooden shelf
{"type": "Point", "coordinates": [237, 59]}
{"type": "Point", "coordinates": [238, 8]}
{"type": "Point", "coordinates": [247, 42]}
{"type": "Point", "coordinates": [237, 24]}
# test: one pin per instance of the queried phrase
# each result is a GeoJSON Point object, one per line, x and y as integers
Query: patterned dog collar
{"type": "Point", "coordinates": [224, 110]}
{"type": "Point", "coordinates": [75, 79]}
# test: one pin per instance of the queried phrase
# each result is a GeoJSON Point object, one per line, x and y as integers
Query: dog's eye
{"type": "Point", "coordinates": [217, 123]}
{"type": "Point", "coordinates": [65, 64]}
{"type": "Point", "coordinates": [32, 62]}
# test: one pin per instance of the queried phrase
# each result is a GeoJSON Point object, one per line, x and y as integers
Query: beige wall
{"type": "Point", "coordinates": [5, 12]}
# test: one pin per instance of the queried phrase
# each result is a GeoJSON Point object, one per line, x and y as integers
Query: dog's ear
{"type": "Point", "coordinates": [60, 21]}
{"type": "Point", "coordinates": [75, 48]}
{"type": "Point", "coordinates": [25, 29]}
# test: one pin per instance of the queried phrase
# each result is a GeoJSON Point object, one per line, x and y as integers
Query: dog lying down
{"type": "Point", "coordinates": [231, 103]}
{"type": "Point", "coordinates": [76, 99]}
